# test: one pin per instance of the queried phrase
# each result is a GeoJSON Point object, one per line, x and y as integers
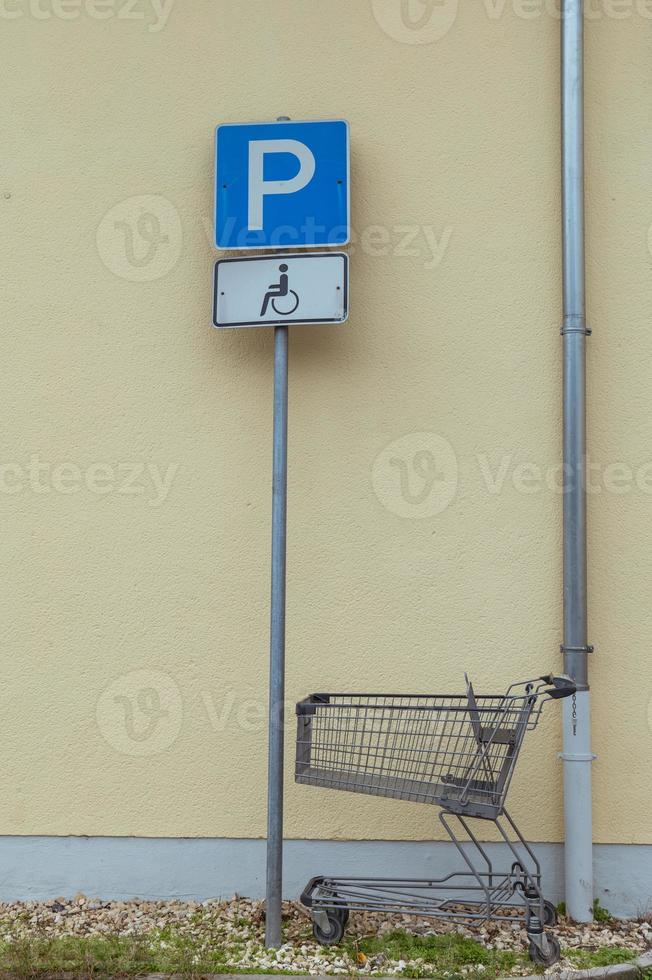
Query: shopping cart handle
{"type": "Point", "coordinates": [307, 893]}
{"type": "Point", "coordinates": [308, 705]}
{"type": "Point", "coordinates": [562, 686]}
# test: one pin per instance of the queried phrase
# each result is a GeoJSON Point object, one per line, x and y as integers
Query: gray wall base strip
{"type": "Point", "coordinates": [201, 868]}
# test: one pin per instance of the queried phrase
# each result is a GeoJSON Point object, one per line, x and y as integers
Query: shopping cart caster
{"type": "Point", "coordinates": [544, 949]}
{"type": "Point", "coordinates": [550, 917]}
{"type": "Point", "coordinates": [329, 925]}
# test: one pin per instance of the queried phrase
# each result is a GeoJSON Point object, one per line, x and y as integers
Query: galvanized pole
{"type": "Point", "coordinates": [577, 753]}
{"type": "Point", "coordinates": [274, 889]}
{"type": "Point", "coordinates": [277, 644]}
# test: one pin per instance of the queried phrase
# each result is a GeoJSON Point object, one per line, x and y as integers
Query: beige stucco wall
{"type": "Point", "coordinates": [110, 365]}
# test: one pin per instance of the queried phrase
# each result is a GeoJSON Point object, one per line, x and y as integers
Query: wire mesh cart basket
{"type": "Point", "coordinates": [455, 751]}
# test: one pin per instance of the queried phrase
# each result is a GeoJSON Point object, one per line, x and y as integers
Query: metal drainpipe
{"type": "Point", "coordinates": [577, 755]}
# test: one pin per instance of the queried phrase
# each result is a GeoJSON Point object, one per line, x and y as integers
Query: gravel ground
{"type": "Point", "coordinates": [237, 927]}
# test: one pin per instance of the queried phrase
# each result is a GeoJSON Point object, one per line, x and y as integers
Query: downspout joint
{"type": "Point", "coordinates": [574, 323]}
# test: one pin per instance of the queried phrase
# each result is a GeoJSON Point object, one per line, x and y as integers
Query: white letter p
{"type": "Point", "coordinates": [259, 188]}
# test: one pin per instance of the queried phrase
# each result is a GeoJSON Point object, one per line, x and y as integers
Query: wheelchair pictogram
{"type": "Point", "coordinates": [281, 290]}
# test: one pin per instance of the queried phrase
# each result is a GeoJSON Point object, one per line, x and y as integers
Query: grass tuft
{"type": "Point", "coordinates": [448, 953]}
{"type": "Point", "coordinates": [601, 914]}
{"type": "Point", "coordinates": [585, 959]}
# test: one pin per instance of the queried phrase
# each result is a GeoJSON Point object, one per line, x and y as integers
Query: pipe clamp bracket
{"type": "Point", "coordinates": [575, 324]}
{"type": "Point", "coordinates": [587, 649]}
{"type": "Point", "coordinates": [577, 756]}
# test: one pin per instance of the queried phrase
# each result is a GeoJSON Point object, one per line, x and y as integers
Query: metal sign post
{"type": "Point", "coordinates": [275, 750]}
{"type": "Point", "coordinates": [261, 197]}
{"type": "Point", "coordinates": [277, 644]}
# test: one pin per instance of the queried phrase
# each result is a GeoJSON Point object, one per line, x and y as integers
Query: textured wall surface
{"type": "Point", "coordinates": [424, 523]}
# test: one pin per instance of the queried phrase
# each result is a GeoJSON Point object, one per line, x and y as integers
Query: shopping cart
{"type": "Point", "coordinates": [456, 751]}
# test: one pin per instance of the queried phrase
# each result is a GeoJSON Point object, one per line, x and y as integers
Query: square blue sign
{"type": "Point", "coordinates": [282, 185]}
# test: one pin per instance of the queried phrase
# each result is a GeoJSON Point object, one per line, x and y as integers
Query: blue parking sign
{"type": "Point", "coordinates": [282, 185]}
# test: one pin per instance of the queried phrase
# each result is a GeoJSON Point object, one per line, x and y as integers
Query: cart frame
{"type": "Point", "coordinates": [457, 752]}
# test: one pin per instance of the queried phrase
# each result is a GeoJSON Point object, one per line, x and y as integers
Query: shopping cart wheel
{"type": "Point", "coordinates": [546, 959]}
{"type": "Point", "coordinates": [334, 933]}
{"type": "Point", "coordinates": [340, 910]}
{"type": "Point", "coordinates": [343, 912]}
{"type": "Point", "coordinates": [549, 914]}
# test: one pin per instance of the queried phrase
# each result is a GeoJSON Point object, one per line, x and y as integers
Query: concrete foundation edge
{"type": "Point", "coordinates": [199, 868]}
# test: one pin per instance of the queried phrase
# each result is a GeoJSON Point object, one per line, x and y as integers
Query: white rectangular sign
{"type": "Point", "coordinates": [271, 290]}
